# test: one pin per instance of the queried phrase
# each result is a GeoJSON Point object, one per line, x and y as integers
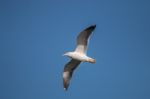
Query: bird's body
{"type": "Point", "coordinates": [78, 56]}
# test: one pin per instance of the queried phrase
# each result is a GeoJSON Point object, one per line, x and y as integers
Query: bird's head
{"type": "Point", "coordinates": [67, 54]}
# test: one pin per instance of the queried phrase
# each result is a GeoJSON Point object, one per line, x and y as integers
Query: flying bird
{"type": "Point", "coordinates": [78, 56]}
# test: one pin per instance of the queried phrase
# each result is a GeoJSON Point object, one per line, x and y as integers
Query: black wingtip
{"type": "Point", "coordinates": [94, 26]}
{"type": "Point", "coordinates": [65, 89]}
{"type": "Point", "coordinates": [91, 27]}
{"type": "Point", "coordinates": [66, 84]}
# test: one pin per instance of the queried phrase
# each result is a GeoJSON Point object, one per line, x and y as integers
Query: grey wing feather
{"type": "Point", "coordinates": [68, 71]}
{"type": "Point", "coordinates": [82, 39]}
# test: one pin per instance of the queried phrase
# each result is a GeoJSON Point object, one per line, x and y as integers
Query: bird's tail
{"type": "Point", "coordinates": [91, 60]}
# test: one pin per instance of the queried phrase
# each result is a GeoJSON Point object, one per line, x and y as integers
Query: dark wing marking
{"type": "Point", "coordinates": [82, 39]}
{"type": "Point", "coordinates": [68, 71]}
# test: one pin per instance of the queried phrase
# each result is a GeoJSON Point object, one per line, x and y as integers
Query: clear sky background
{"type": "Point", "coordinates": [35, 33]}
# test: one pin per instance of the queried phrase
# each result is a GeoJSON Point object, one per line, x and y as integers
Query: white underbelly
{"type": "Point", "coordinates": [80, 57]}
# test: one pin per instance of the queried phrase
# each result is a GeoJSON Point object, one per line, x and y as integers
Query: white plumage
{"type": "Point", "coordinates": [78, 56]}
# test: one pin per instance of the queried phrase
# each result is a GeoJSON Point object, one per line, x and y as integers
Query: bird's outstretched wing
{"type": "Point", "coordinates": [68, 71]}
{"type": "Point", "coordinates": [82, 39]}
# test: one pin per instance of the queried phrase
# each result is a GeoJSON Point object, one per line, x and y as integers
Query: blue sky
{"type": "Point", "coordinates": [35, 33]}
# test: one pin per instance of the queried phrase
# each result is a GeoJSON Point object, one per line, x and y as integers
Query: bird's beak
{"type": "Point", "coordinates": [64, 54]}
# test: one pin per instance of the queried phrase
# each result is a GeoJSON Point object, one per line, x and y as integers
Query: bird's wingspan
{"type": "Point", "coordinates": [82, 39]}
{"type": "Point", "coordinates": [68, 71]}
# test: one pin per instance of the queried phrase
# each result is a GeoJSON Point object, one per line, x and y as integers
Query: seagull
{"type": "Point", "coordinates": [78, 56]}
